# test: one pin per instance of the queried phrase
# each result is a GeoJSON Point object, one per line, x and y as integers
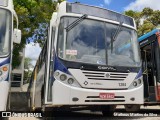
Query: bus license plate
{"type": "Point", "coordinates": [106, 95]}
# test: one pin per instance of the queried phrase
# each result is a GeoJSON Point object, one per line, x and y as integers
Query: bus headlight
{"type": "Point", "coordinates": [56, 73]}
{"type": "Point", "coordinates": [70, 81]}
{"type": "Point", "coordinates": [63, 77]}
{"type": "Point", "coordinates": [66, 78]}
{"type": "Point", "coordinates": [136, 83]}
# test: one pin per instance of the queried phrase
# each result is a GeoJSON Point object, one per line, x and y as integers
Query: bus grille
{"type": "Point", "coordinates": [96, 75]}
{"type": "Point", "coordinates": [97, 99]}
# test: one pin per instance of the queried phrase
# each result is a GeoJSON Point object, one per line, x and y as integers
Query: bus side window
{"type": "Point", "coordinates": [51, 64]}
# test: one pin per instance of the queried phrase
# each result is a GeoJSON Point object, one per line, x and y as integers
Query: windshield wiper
{"type": "Point", "coordinates": [76, 22]}
{"type": "Point", "coordinates": [115, 34]}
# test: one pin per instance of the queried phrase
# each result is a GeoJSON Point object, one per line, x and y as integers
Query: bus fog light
{"type": "Point", "coordinates": [132, 99]}
{"type": "Point", "coordinates": [135, 83]}
{"type": "Point", "coordinates": [70, 80]}
{"type": "Point", "coordinates": [75, 99]}
{"type": "Point", "coordinates": [63, 77]}
{"type": "Point", "coordinates": [139, 81]}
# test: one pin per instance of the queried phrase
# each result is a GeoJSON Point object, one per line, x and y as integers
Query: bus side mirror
{"type": "Point", "coordinates": [17, 36]}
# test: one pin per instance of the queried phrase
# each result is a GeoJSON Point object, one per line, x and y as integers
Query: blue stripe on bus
{"type": "Point", "coordinates": [59, 66]}
{"type": "Point", "coordinates": [148, 35]}
{"type": "Point", "coordinates": [139, 74]}
{"type": "Point", "coordinates": [124, 47]}
{"type": "Point", "coordinates": [6, 61]}
{"type": "Point", "coordinates": [143, 37]}
{"type": "Point", "coordinates": [7, 79]}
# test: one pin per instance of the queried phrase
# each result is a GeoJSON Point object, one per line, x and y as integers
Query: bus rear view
{"type": "Point", "coordinates": [94, 60]}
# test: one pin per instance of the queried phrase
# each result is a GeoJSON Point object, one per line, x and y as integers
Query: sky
{"type": "Point", "coordinates": [33, 50]}
{"type": "Point", "coordinates": [122, 5]}
{"type": "Point", "coordinates": [115, 5]}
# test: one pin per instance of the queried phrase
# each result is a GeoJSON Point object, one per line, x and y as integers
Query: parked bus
{"type": "Point", "coordinates": [8, 35]}
{"type": "Point", "coordinates": [150, 52]}
{"type": "Point", "coordinates": [80, 63]}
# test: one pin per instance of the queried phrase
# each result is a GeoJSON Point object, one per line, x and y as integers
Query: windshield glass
{"type": "Point", "coordinates": [5, 31]}
{"type": "Point", "coordinates": [90, 42]}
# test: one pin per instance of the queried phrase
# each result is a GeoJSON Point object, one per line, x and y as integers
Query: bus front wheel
{"type": "Point", "coordinates": [132, 108]}
{"type": "Point", "coordinates": [108, 110]}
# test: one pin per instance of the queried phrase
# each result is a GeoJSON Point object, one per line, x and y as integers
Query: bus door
{"type": "Point", "coordinates": [157, 65]}
{"type": "Point", "coordinates": [145, 74]}
{"type": "Point", "coordinates": [149, 71]}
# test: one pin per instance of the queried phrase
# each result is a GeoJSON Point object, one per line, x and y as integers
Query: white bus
{"type": "Point", "coordinates": [85, 61]}
{"type": "Point", "coordinates": [8, 35]}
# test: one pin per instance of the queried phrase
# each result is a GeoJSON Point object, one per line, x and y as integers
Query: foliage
{"type": "Point", "coordinates": [28, 69]}
{"type": "Point", "coordinates": [146, 20]}
{"type": "Point", "coordinates": [34, 17]}
{"type": "Point", "coordinates": [27, 63]}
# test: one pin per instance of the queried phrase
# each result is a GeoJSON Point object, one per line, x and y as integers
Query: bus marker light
{"type": "Point", "coordinates": [5, 68]}
{"type": "Point", "coordinates": [107, 95]}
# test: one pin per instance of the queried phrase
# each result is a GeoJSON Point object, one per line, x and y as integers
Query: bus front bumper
{"type": "Point", "coordinates": [63, 94]}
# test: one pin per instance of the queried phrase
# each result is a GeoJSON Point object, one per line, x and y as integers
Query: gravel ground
{"type": "Point", "coordinates": [87, 115]}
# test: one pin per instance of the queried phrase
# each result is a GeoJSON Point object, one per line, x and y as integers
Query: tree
{"type": "Point", "coordinates": [146, 27]}
{"type": "Point", "coordinates": [134, 14]}
{"type": "Point", "coordinates": [28, 69]}
{"type": "Point", "coordinates": [146, 20]}
{"type": "Point", "coordinates": [27, 63]}
{"type": "Point", "coordinates": [34, 17]}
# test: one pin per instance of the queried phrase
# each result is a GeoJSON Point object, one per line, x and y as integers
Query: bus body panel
{"type": "Point", "coordinates": [104, 81]}
{"type": "Point", "coordinates": [64, 95]}
{"type": "Point", "coordinates": [4, 90]}
{"type": "Point", "coordinates": [5, 82]}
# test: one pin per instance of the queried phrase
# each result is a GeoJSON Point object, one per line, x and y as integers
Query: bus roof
{"type": "Point", "coordinates": [78, 8]}
{"type": "Point", "coordinates": [143, 37]}
{"type": "Point", "coordinates": [98, 12]}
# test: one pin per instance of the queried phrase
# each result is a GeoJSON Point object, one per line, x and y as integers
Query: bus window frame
{"type": "Point", "coordinates": [51, 64]}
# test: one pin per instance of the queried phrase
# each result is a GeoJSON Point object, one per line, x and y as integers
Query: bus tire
{"type": "Point", "coordinates": [8, 103]}
{"type": "Point", "coordinates": [132, 108]}
{"type": "Point", "coordinates": [29, 104]}
{"type": "Point", "coordinates": [108, 110]}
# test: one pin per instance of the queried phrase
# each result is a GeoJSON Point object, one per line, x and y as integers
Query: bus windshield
{"type": "Point", "coordinates": [91, 42]}
{"type": "Point", "coordinates": [5, 31]}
